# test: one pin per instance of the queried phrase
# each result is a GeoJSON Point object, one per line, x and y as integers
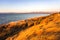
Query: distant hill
{"type": "Point", "coordinates": [28, 13]}
{"type": "Point", "coordinates": [40, 28]}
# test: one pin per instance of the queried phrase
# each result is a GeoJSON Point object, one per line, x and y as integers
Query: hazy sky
{"type": "Point", "coordinates": [29, 5]}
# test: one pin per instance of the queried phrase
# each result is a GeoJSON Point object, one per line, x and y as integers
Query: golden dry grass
{"type": "Point", "coordinates": [41, 28]}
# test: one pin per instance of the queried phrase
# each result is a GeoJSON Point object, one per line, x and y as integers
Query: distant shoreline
{"type": "Point", "coordinates": [26, 13]}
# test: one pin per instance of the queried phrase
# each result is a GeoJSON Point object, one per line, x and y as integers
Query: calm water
{"type": "Point", "coordinates": [5, 18]}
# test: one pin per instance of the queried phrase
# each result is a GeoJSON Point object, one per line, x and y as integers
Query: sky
{"type": "Point", "coordinates": [29, 5]}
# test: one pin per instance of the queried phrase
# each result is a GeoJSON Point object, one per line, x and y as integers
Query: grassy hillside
{"type": "Point", "coordinates": [41, 28]}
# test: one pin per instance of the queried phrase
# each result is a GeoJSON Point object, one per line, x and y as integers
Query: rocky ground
{"type": "Point", "coordinates": [40, 28]}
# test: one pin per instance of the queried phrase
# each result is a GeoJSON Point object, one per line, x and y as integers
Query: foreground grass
{"type": "Point", "coordinates": [41, 28]}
